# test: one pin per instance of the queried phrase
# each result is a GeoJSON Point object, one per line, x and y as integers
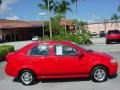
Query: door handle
{"type": "Point", "coordinates": [42, 58]}
{"type": "Point", "coordinates": [57, 59]}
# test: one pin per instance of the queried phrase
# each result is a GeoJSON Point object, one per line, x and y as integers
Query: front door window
{"type": "Point", "coordinates": [65, 50]}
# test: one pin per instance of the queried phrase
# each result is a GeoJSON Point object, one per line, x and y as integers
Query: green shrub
{"type": "Point", "coordinates": [4, 50]}
{"type": "Point", "coordinates": [77, 38]}
{"type": "Point", "coordinates": [68, 37]}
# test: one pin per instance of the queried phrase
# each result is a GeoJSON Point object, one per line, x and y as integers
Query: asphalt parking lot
{"type": "Point", "coordinates": [8, 83]}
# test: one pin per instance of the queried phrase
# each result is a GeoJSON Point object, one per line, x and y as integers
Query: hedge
{"type": "Point", "coordinates": [4, 50]}
{"type": "Point", "coordinates": [77, 38]}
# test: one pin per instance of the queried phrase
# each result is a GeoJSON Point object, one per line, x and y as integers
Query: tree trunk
{"type": "Point", "coordinates": [76, 25]}
{"type": "Point", "coordinates": [50, 28]}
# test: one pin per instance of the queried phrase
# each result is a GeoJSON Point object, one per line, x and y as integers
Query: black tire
{"type": "Point", "coordinates": [27, 77]}
{"type": "Point", "coordinates": [99, 74]}
{"type": "Point", "coordinates": [118, 42]}
{"type": "Point", "coordinates": [107, 42]}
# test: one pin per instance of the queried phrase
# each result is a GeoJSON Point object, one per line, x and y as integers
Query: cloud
{"type": "Point", "coordinates": [90, 21]}
{"type": "Point", "coordinates": [95, 17]}
{"type": "Point", "coordinates": [4, 7]}
{"type": "Point", "coordinates": [13, 18]}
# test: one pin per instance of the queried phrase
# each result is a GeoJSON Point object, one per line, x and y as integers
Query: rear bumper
{"type": "Point", "coordinates": [113, 40]}
{"type": "Point", "coordinates": [11, 71]}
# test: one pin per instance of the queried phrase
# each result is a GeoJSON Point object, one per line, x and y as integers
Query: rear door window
{"type": "Point", "coordinates": [40, 50]}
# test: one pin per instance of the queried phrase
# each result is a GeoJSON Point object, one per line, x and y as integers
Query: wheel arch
{"type": "Point", "coordinates": [101, 65]}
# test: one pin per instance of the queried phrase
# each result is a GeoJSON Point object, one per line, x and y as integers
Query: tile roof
{"type": "Point", "coordinates": [66, 22]}
{"type": "Point", "coordinates": [7, 24]}
{"type": "Point", "coordinates": [4, 24]}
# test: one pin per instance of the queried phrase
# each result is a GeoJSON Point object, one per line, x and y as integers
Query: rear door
{"type": "Point", "coordinates": [41, 60]}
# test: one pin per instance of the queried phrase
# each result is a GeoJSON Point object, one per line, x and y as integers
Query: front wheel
{"type": "Point", "coordinates": [99, 74]}
{"type": "Point", "coordinates": [27, 77]}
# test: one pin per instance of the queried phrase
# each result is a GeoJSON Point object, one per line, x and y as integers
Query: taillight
{"type": "Point", "coordinates": [9, 56]}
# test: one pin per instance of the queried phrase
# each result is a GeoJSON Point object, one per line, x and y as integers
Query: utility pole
{"type": "Point", "coordinates": [43, 15]}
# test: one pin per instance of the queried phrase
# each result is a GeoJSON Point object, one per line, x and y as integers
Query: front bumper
{"type": "Point", "coordinates": [113, 69]}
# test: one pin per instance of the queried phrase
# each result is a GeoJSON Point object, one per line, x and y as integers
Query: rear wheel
{"type": "Point", "coordinates": [99, 74]}
{"type": "Point", "coordinates": [107, 42]}
{"type": "Point", "coordinates": [27, 77]}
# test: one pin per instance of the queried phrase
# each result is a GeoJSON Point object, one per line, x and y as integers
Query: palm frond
{"type": "Point", "coordinates": [44, 5]}
{"type": "Point", "coordinates": [73, 1]}
{"type": "Point", "coordinates": [115, 17]}
{"type": "Point", "coordinates": [0, 1]}
{"type": "Point", "coordinates": [119, 8]}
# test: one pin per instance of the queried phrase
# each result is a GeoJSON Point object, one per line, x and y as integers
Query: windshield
{"type": "Point", "coordinates": [85, 47]}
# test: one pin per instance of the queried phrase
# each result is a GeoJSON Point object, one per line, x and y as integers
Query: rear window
{"type": "Point", "coordinates": [114, 32]}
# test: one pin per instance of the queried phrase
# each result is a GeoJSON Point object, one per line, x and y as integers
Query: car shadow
{"type": "Point", "coordinates": [62, 80]}
{"type": "Point", "coordinates": [114, 76]}
{"type": "Point", "coordinates": [65, 80]}
{"type": "Point", "coordinates": [56, 80]}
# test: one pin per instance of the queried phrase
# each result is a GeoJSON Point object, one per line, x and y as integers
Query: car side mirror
{"type": "Point", "coordinates": [80, 55]}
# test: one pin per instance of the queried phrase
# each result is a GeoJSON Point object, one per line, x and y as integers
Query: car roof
{"type": "Point", "coordinates": [52, 41]}
{"type": "Point", "coordinates": [112, 30]}
{"type": "Point", "coordinates": [40, 42]}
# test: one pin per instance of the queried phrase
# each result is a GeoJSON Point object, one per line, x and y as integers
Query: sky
{"type": "Point", "coordinates": [88, 10]}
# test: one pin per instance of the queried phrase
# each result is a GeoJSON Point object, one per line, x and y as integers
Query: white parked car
{"type": "Point", "coordinates": [35, 38]}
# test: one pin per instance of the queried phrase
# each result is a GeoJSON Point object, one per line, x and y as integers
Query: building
{"type": "Point", "coordinates": [94, 27]}
{"type": "Point", "coordinates": [97, 27]}
{"type": "Point", "coordinates": [13, 30]}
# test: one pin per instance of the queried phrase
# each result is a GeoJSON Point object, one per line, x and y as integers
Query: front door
{"type": "Point", "coordinates": [67, 60]}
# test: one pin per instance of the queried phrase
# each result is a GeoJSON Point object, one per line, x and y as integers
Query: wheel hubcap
{"type": "Point", "coordinates": [26, 78]}
{"type": "Point", "coordinates": [99, 74]}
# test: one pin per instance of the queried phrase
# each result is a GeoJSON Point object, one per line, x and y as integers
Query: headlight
{"type": "Point", "coordinates": [113, 61]}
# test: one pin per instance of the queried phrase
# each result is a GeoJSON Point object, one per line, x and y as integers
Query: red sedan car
{"type": "Point", "coordinates": [59, 59]}
{"type": "Point", "coordinates": [113, 36]}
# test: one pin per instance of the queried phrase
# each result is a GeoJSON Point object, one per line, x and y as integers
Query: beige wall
{"type": "Point", "coordinates": [100, 27]}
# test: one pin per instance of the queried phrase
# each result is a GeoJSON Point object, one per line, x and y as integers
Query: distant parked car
{"type": "Point", "coordinates": [94, 34]}
{"type": "Point", "coordinates": [102, 34]}
{"type": "Point", "coordinates": [59, 59]}
{"type": "Point", "coordinates": [35, 38]}
{"type": "Point", "coordinates": [113, 36]}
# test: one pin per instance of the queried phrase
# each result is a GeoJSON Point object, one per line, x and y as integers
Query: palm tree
{"type": "Point", "coordinates": [118, 8]}
{"type": "Point", "coordinates": [48, 5]}
{"type": "Point", "coordinates": [76, 6]}
{"type": "Point", "coordinates": [105, 24]}
{"type": "Point", "coordinates": [62, 8]}
{"type": "Point", "coordinates": [74, 21]}
{"type": "Point", "coordinates": [83, 25]}
{"type": "Point", "coordinates": [115, 18]}
{"type": "Point", "coordinates": [44, 5]}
